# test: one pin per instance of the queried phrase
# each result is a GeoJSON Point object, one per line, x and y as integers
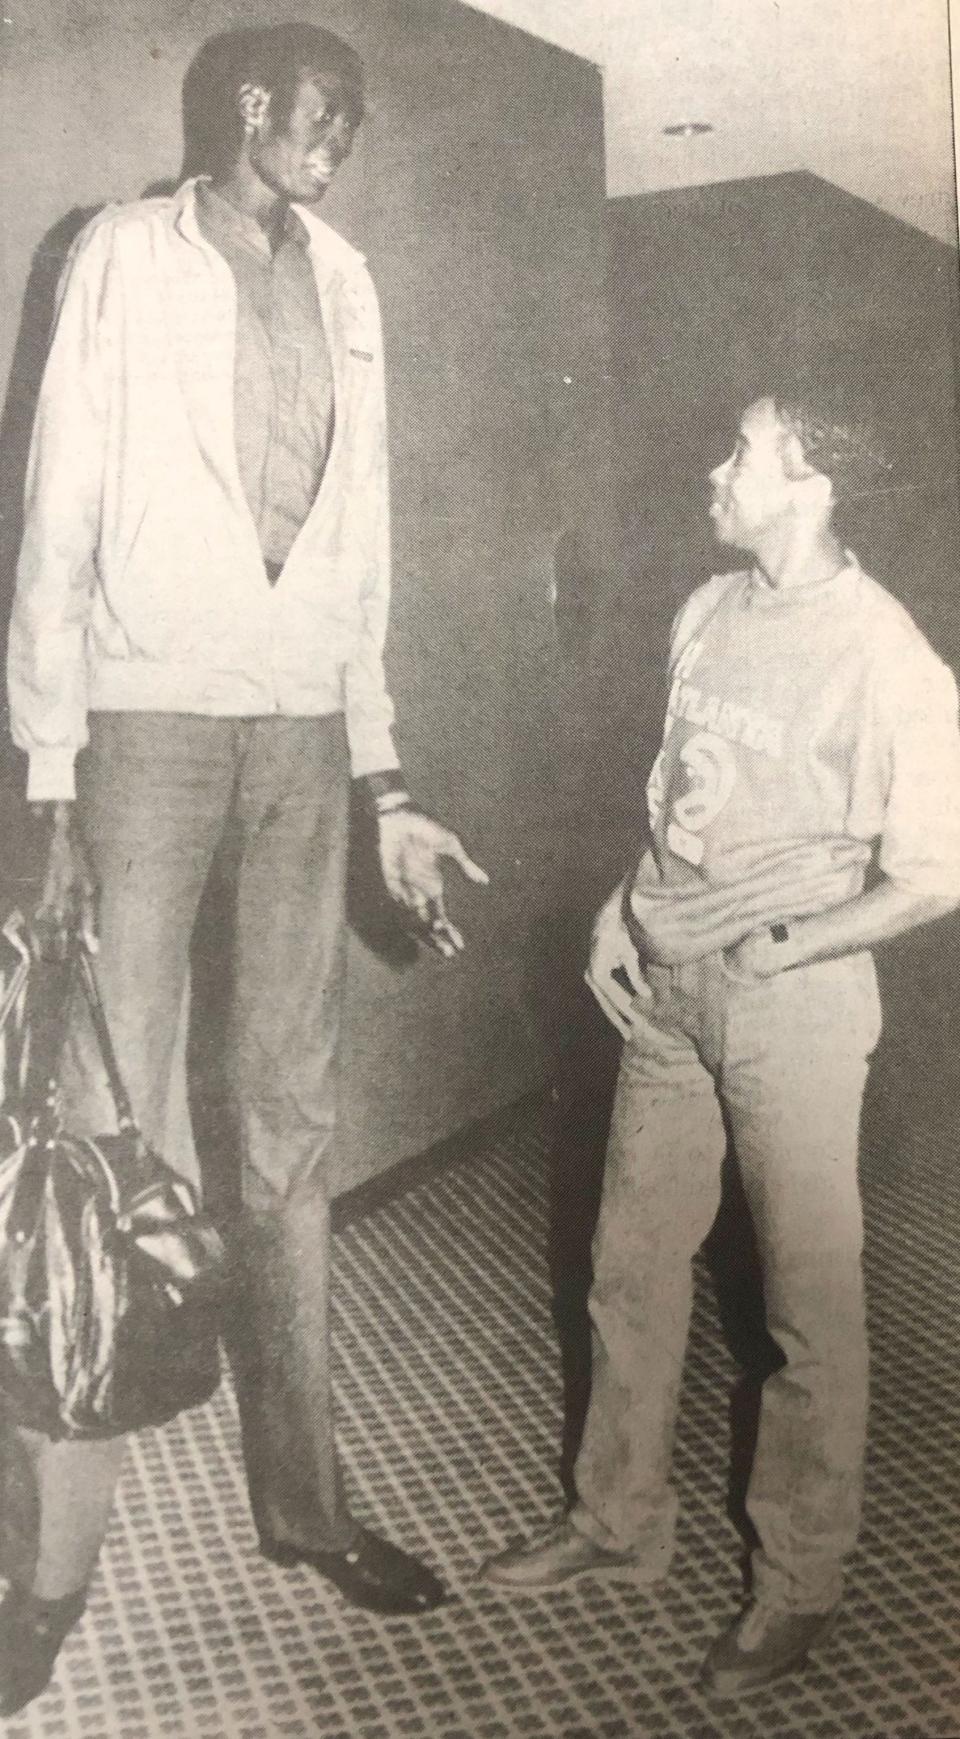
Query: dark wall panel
{"type": "Point", "coordinates": [476, 192]}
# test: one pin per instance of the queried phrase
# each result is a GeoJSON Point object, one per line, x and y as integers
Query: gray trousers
{"type": "Point", "coordinates": [787, 1060]}
{"type": "Point", "coordinates": [155, 794]}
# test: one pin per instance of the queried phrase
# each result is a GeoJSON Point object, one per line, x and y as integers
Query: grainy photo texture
{"type": "Point", "coordinates": [480, 796]}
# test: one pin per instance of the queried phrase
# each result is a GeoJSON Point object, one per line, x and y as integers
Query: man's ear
{"type": "Point", "coordinates": [794, 459]}
{"type": "Point", "coordinates": [253, 103]}
{"type": "Point", "coordinates": [817, 486]}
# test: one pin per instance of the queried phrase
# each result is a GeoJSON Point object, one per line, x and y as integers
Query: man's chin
{"type": "Point", "coordinates": [725, 535]}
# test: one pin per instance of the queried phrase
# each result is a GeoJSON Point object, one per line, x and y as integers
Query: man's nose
{"type": "Point", "coordinates": [718, 473]}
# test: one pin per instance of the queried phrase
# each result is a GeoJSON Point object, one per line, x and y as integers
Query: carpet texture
{"type": "Point", "coordinates": [451, 1414]}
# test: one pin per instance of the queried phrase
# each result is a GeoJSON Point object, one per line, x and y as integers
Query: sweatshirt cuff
{"type": "Point", "coordinates": [374, 752]}
{"type": "Point", "coordinates": [50, 776]}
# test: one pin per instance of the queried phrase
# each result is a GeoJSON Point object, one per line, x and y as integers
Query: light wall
{"type": "Point", "coordinates": [857, 91]}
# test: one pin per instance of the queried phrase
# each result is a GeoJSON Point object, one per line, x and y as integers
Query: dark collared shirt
{"type": "Point", "coordinates": [283, 381]}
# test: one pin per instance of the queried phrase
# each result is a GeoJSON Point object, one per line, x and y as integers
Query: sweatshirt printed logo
{"type": "Point", "coordinates": [705, 771]}
{"type": "Point", "coordinates": [708, 771]}
{"type": "Point", "coordinates": [726, 718]}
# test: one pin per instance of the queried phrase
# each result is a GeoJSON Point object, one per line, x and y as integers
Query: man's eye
{"type": "Point", "coordinates": [330, 115]}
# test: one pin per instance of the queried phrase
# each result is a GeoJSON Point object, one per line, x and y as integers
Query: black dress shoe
{"type": "Point", "coordinates": [372, 1573]}
{"type": "Point", "coordinates": [31, 1632]}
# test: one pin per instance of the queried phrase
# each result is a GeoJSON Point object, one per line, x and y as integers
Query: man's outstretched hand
{"type": "Point", "coordinates": [412, 847]}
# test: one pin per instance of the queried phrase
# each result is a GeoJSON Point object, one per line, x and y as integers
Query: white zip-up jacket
{"type": "Point", "coordinates": [141, 583]}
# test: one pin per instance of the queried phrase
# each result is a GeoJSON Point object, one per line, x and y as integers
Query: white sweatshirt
{"type": "Point", "coordinates": [810, 732]}
{"type": "Point", "coordinates": [141, 583]}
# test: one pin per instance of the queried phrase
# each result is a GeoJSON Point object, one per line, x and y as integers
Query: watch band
{"type": "Point", "coordinates": [392, 802]}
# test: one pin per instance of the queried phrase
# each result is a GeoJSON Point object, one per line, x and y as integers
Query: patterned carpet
{"type": "Point", "coordinates": [451, 1420]}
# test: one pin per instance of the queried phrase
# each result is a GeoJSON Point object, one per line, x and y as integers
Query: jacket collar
{"type": "Point", "coordinates": [326, 243]}
{"type": "Point", "coordinates": [328, 250]}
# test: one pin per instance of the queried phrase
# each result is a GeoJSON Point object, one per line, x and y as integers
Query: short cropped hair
{"type": "Point", "coordinates": [275, 56]}
{"type": "Point", "coordinates": [837, 437]}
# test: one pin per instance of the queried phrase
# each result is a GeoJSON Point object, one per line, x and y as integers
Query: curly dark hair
{"type": "Point", "coordinates": [837, 437]}
{"type": "Point", "coordinates": [277, 57]}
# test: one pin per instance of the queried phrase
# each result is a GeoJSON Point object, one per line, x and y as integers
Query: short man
{"type": "Point", "coordinates": [811, 747]}
{"type": "Point", "coordinates": [199, 621]}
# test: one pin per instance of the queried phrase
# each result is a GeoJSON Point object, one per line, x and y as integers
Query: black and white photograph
{"type": "Point", "coordinates": [479, 870]}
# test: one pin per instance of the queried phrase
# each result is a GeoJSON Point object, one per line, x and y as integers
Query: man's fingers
{"type": "Point", "coordinates": [613, 1014]}
{"type": "Point", "coordinates": [446, 937]}
{"type": "Point", "coordinates": [631, 981]}
{"type": "Point", "coordinates": [395, 887]}
{"type": "Point", "coordinates": [434, 928]}
{"type": "Point", "coordinates": [441, 934]}
{"type": "Point", "coordinates": [412, 878]}
{"type": "Point", "coordinates": [471, 870]}
{"type": "Point", "coordinates": [617, 1008]}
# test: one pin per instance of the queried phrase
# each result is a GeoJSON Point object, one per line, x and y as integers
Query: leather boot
{"type": "Point", "coordinates": [31, 1632]}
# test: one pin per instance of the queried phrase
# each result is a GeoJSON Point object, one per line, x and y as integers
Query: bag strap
{"type": "Point", "coordinates": [13, 933]}
{"type": "Point", "coordinates": [46, 1013]}
{"type": "Point", "coordinates": [126, 1122]}
{"type": "Point", "coordinates": [49, 987]}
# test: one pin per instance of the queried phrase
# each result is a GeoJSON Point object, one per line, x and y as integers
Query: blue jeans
{"type": "Point", "coordinates": [787, 1060]}
{"type": "Point", "coordinates": [155, 794]}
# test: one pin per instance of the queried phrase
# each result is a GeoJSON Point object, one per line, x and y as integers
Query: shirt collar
{"type": "Point", "coordinates": [329, 251]}
{"type": "Point", "coordinates": [758, 592]}
{"type": "Point", "coordinates": [221, 217]}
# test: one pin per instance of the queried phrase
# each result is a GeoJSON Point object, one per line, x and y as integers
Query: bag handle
{"type": "Point", "coordinates": [50, 995]}
{"type": "Point", "coordinates": [55, 981]}
{"type": "Point", "coordinates": [126, 1122]}
{"type": "Point", "coordinates": [46, 1016]}
{"type": "Point", "coordinates": [13, 933]}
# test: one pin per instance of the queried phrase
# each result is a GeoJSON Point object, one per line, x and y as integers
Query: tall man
{"type": "Point", "coordinates": [199, 626]}
{"type": "Point", "coordinates": [805, 806]}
